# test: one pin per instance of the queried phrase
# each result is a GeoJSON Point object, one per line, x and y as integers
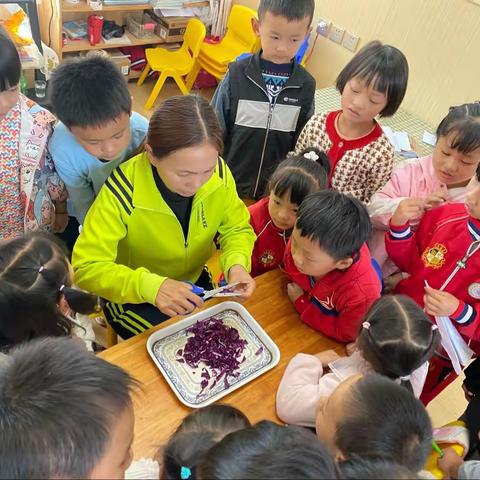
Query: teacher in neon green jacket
{"type": "Point", "coordinates": [153, 224]}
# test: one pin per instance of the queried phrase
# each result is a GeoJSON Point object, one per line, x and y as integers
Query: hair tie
{"type": "Point", "coordinates": [185, 473]}
{"type": "Point", "coordinates": [61, 288]}
{"type": "Point", "coordinates": [41, 269]}
{"type": "Point", "coordinates": [311, 156]}
{"type": "Point", "coordinates": [434, 327]}
{"type": "Point", "coordinates": [366, 325]}
{"type": "Point", "coordinates": [406, 378]}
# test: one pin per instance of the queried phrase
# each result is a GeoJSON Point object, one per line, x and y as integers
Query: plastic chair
{"type": "Point", "coordinates": [240, 38]}
{"type": "Point", "coordinates": [174, 64]}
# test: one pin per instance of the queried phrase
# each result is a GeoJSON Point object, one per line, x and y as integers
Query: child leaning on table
{"type": "Point", "coordinates": [373, 83]}
{"type": "Point", "coordinates": [273, 217]}
{"type": "Point", "coordinates": [327, 260]}
{"type": "Point", "coordinates": [429, 181]}
{"type": "Point", "coordinates": [396, 340]}
{"type": "Point", "coordinates": [65, 413]}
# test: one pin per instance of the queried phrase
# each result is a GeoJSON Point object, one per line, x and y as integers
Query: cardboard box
{"type": "Point", "coordinates": [121, 61]}
{"type": "Point", "coordinates": [171, 29]}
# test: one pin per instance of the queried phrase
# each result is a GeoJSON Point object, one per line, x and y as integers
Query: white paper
{"type": "Point", "coordinates": [123, 40]}
{"type": "Point", "coordinates": [176, 12]}
{"type": "Point", "coordinates": [453, 343]}
{"type": "Point", "coordinates": [399, 140]}
{"type": "Point", "coordinates": [429, 138]}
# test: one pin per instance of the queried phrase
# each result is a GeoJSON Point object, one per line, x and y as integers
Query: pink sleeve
{"type": "Point", "coordinates": [301, 387]}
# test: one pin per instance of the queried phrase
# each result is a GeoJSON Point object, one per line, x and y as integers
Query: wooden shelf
{"type": "Point", "coordinates": [79, 45]}
{"type": "Point", "coordinates": [84, 7]}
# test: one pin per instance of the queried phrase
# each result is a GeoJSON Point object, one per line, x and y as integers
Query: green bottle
{"type": "Point", "coordinates": [23, 84]}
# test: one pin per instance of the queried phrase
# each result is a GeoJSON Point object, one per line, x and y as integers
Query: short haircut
{"type": "Point", "coordinates": [196, 435]}
{"type": "Point", "coordinates": [58, 406]}
{"type": "Point", "coordinates": [384, 419]}
{"type": "Point", "coordinates": [398, 339]}
{"type": "Point", "coordinates": [268, 450]}
{"type": "Point", "coordinates": [464, 123]}
{"type": "Point", "coordinates": [290, 9]}
{"type": "Point", "coordinates": [10, 66]}
{"type": "Point", "coordinates": [375, 468]}
{"type": "Point", "coordinates": [338, 222]}
{"type": "Point", "coordinates": [183, 121]}
{"type": "Point", "coordinates": [382, 66]}
{"type": "Point", "coordinates": [89, 92]}
{"type": "Point", "coordinates": [299, 176]}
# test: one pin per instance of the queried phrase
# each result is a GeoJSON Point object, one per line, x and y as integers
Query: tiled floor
{"type": "Point", "coordinates": [446, 407]}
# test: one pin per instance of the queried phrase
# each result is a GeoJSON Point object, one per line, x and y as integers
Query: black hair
{"type": "Point", "coordinates": [89, 92]}
{"type": "Point", "coordinates": [298, 176]}
{"type": "Point", "coordinates": [10, 66]}
{"type": "Point", "coordinates": [382, 66]}
{"type": "Point", "coordinates": [464, 123]}
{"type": "Point", "coordinates": [197, 433]}
{"type": "Point", "coordinates": [268, 450]}
{"type": "Point", "coordinates": [397, 337]}
{"type": "Point", "coordinates": [339, 223]}
{"type": "Point", "coordinates": [290, 9]}
{"type": "Point", "coordinates": [374, 468]}
{"type": "Point", "coordinates": [58, 405]}
{"type": "Point", "coordinates": [34, 274]}
{"type": "Point", "coordinates": [384, 419]}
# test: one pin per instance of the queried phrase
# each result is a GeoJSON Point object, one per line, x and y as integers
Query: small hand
{"type": "Point", "coordinates": [246, 284]}
{"type": "Point", "coordinates": [294, 292]}
{"type": "Point", "coordinates": [391, 282]}
{"type": "Point", "coordinates": [61, 222]}
{"type": "Point", "coordinates": [434, 200]}
{"type": "Point", "coordinates": [351, 348]}
{"type": "Point", "coordinates": [176, 298]}
{"type": "Point", "coordinates": [449, 463]}
{"type": "Point", "coordinates": [438, 303]}
{"type": "Point", "coordinates": [327, 356]}
{"type": "Point", "coordinates": [408, 209]}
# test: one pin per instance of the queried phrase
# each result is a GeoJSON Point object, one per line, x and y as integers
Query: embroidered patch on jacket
{"type": "Point", "coordinates": [267, 258]}
{"type": "Point", "coordinates": [434, 257]}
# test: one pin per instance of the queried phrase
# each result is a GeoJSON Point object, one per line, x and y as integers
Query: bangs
{"type": "Point", "coordinates": [465, 137]}
{"type": "Point", "coordinates": [292, 182]}
{"type": "Point", "coordinates": [374, 76]}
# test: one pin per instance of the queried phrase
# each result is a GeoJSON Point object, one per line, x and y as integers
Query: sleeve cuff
{"type": "Point", "coordinates": [400, 232]}
{"type": "Point", "coordinates": [236, 259]}
{"type": "Point", "coordinates": [149, 286]}
{"type": "Point", "coordinates": [301, 303]}
{"type": "Point", "coordinates": [464, 315]}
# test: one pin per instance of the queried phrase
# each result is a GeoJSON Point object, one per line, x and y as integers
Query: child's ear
{"type": "Point", "coordinates": [63, 306]}
{"type": "Point", "coordinates": [256, 26]}
{"type": "Point", "coordinates": [344, 263]}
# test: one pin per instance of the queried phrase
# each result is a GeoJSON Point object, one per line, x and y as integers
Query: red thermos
{"type": "Point", "coordinates": [95, 25]}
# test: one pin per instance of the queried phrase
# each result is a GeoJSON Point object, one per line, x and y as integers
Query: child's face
{"type": "Point", "coordinates": [452, 167]}
{"type": "Point", "coordinates": [280, 38]}
{"type": "Point", "coordinates": [331, 410]}
{"type": "Point", "coordinates": [311, 259]}
{"type": "Point", "coordinates": [106, 142]}
{"type": "Point", "coordinates": [184, 171]}
{"type": "Point", "coordinates": [8, 99]}
{"type": "Point", "coordinates": [282, 212]}
{"type": "Point", "coordinates": [472, 200]}
{"type": "Point", "coordinates": [118, 454]}
{"type": "Point", "coordinates": [361, 103]}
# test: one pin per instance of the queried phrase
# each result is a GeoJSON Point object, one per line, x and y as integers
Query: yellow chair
{"type": "Point", "coordinates": [174, 64]}
{"type": "Point", "coordinates": [240, 38]}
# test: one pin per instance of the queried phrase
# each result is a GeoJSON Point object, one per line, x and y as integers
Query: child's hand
{"type": "Point", "coordinates": [435, 200]}
{"type": "Point", "coordinates": [246, 284]}
{"type": "Point", "coordinates": [408, 209]}
{"type": "Point", "coordinates": [439, 304]}
{"type": "Point", "coordinates": [351, 348]}
{"type": "Point", "coordinates": [449, 463]}
{"type": "Point", "coordinates": [327, 356]}
{"type": "Point", "coordinates": [294, 292]}
{"type": "Point", "coordinates": [391, 282]}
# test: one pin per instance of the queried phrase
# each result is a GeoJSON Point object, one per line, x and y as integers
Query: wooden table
{"type": "Point", "coordinates": [158, 411]}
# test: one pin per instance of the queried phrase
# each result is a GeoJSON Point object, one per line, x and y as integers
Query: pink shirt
{"type": "Point", "coordinates": [416, 178]}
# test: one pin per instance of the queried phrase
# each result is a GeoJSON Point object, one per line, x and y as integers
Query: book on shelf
{"type": "Point", "coordinates": [75, 29]}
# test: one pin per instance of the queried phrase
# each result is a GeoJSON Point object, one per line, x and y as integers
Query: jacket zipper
{"type": "Point", "coordinates": [269, 121]}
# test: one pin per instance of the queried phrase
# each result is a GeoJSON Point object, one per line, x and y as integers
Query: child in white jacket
{"type": "Point", "coordinates": [396, 340]}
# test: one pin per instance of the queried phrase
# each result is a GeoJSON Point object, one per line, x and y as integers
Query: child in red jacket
{"type": "Point", "coordinates": [445, 255]}
{"type": "Point", "coordinates": [330, 265]}
{"type": "Point", "coordinates": [273, 217]}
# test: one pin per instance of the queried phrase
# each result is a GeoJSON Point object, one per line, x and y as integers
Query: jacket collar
{"type": "Point", "coordinates": [146, 194]}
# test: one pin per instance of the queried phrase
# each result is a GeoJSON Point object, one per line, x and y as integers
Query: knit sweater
{"type": "Point", "coordinates": [359, 167]}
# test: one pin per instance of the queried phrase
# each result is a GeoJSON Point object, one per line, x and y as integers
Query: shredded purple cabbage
{"type": "Point", "coordinates": [218, 346]}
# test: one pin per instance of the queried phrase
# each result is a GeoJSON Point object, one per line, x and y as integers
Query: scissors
{"type": "Point", "coordinates": [223, 291]}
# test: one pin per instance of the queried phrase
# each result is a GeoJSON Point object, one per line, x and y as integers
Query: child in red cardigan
{"type": "Point", "coordinates": [330, 265]}
{"type": "Point", "coordinates": [273, 217]}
